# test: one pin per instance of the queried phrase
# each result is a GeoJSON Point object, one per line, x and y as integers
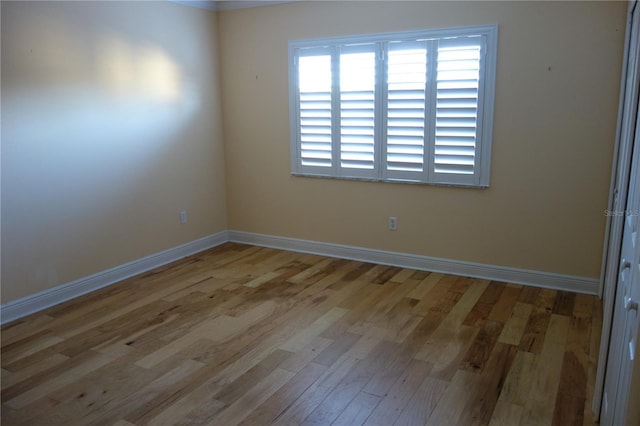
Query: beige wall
{"type": "Point", "coordinates": [111, 124]}
{"type": "Point", "coordinates": [557, 92]}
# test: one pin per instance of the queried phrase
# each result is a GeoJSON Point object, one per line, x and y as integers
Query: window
{"type": "Point", "coordinates": [406, 107]}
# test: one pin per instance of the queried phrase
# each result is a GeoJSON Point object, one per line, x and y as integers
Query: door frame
{"type": "Point", "coordinates": [623, 150]}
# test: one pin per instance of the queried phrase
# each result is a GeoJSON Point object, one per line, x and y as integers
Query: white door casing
{"type": "Point", "coordinates": [626, 319]}
{"type": "Point", "coordinates": [629, 93]}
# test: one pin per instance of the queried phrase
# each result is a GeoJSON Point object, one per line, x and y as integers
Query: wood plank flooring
{"type": "Point", "coordinates": [252, 336]}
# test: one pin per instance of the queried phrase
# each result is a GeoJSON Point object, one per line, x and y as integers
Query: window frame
{"type": "Point", "coordinates": [485, 108]}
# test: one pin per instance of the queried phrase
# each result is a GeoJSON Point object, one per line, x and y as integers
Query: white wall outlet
{"type": "Point", "coordinates": [393, 223]}
{"type": "Point", "coordinates": [183, 217]}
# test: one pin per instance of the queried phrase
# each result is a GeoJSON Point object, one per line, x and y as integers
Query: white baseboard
{"type": "Point", "coordinates": [27, 305]}
{"type": "Point", "coordinates": [434, 264]}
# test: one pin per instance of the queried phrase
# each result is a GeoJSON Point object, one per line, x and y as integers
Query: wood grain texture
{"type": "Point", "coordinates": [255, 336]}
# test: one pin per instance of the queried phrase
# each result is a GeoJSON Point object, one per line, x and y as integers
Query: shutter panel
{"type": "Point", "coordinates": [457, 99]}
{"type": "Point", "coordinates": [314, 74]}
{"type": "Point", "coordinates": [357, 110]}
{"type": "Point", "coordinates": [406, 94]}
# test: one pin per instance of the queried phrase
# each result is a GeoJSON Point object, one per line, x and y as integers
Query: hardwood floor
{"type": "Point", "coordinates": [247, 335]}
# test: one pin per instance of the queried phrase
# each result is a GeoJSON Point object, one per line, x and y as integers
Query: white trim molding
{"type": "Point", "coordinates": [220, 5]}
{"type": "Point", "coordinates": [27, 305]}
{"type": "Point", "coordinates": [426, 263]}
{"type": "Point", "coordinates": [30, 304]}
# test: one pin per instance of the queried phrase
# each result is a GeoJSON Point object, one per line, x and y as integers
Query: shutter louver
{"type": "Point", "coordinates": [357, 110]}
{"type": "Point", "coordinates": [457, 83]}
{"type": "Point", "coordinates": [406, 93]}
{"type": "Point", "coordinates": [315, 110]}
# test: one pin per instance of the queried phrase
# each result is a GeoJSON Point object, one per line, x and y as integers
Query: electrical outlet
{"type": "Point", "coordinates": [393, 223]}
{"type": "Point", "coordinates": [183, 217]}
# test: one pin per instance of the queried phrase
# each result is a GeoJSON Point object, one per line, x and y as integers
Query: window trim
{"type": "Point", "coordinates": [484, 122]}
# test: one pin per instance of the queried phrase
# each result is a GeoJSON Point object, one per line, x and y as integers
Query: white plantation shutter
{"type": "Point", "coordinates": [414, 107]}
{"type": "Point", "coordinates": [405, 114]}
{"type": "Point", "coordinates": [357, 110]}
{"type": "Point", "coordinates": [314, 116]}
{"type": "Point", "coordinates": [457, 99]}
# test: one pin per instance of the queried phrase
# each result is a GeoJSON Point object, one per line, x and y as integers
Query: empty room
{"type": "Point", "coordinates": [320, 212]}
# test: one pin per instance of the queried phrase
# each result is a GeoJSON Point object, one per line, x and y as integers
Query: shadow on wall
{"type": "Point", "coordinates": [131, 92]}
{"type": "Point", "coordinates": [92, 119]}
